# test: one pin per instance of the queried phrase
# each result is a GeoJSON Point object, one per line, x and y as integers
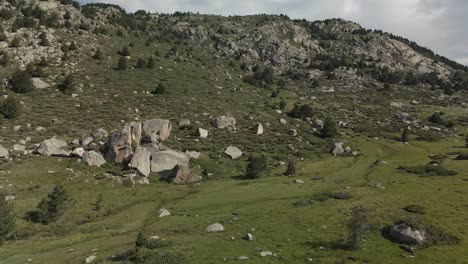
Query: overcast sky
{"type": "Point", "coordinates": [441, 25]}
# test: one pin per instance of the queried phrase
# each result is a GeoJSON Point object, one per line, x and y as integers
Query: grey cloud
{"type": "Point", "coordinates": [437, 24]}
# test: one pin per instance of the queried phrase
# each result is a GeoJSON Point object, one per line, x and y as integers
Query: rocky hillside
{"type": "Point", "coordinates": [147, 116]}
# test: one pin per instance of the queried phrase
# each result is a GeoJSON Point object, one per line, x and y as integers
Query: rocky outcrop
{"type": "Point", "coordinates": [53, 147]}
{"type": "Point", "coordinates": [180, 174]}
{"type": "Point", "coordinates": [141, 161]}
{"type": "Point", "coordinates": [119, 148]}
{"type": "Point", "coordinates": [167, 160]}
{"type": "Point", "coordinates": [233, 152]}
{"type": "Point", "coordinates": [157, 130]}
{"type": "Point", "coordinates": [224, 122]}
{"type": "Point", "coordinates": [93, 158]}
{"type": "Point", "coordinates": [134, 132]}
{"type": "Point", "coordinates": [99, 134]}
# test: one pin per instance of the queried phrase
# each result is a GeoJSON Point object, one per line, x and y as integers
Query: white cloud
{"type": "Point", "coordinates": [437, 24]}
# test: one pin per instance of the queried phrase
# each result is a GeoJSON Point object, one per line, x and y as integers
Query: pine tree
{"type": "Point", "coordinates": [329, 129]}
{"type": "Point", "coordinates": [21, 82]}
{"type": "Point", "coordinates": [99, 55]}
{"type": "Point", "coordinates": [151, 63]}
{"type": "Point", "coordinates": [54, 205]}
{"type": "Point", "coordinates": [256, 167]}
{"type": "Point", "coordinates": [291, 170]}
{"type": "Point", "coordinates": [405, 135]}
{"type": "Point", "coordinates": [358, 226]}
{"type": "Point", "coordinates": [7, 219]}
{"type": "Point", "coordinates": [141, 64]}
{"type": "Point", "coordinates": [122, 64]}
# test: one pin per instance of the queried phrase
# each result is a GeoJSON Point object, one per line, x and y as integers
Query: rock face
{"type": "Point", "coordinates": [53, 147]}
{"type": "Point", "coordinates": [4, 154]}
{"type": "Point", "coordinates": [93, 158]}
{"type": "Point", "coordinates": [203, 133]}
{"type": "Point", "coordinates": [233, 152]}
{"type": "Point", "coordinates": [215, 228]}
{"type": "Point", "coordinates": [141, 161]}
{"type": "Point", "coordinates": [258, 129]}
{"type": "Point", "coordinates": [180, 175]}
{"type": "Point", "coordinates": [119, 147]}
{"type": "Point", "coordinates": [404, 234]}
{"type": "Point", "coordinates": [224, 122]}
{"type": "Point", "coordinates": [167, 160]}
{"type": "Point", "coordinates": [157, 129]}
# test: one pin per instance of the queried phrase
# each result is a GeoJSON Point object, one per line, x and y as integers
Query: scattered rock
{"type": "Point", "coordinates": [203, 133]}
{"type": "Point", "coordinates": [299, 181]}
{"type": "Point", "coordinates": [404, 234]}
{"type": "Point", "coordinates": [164, 212]}
{"type": "Point", "coordinates": [184, 123]}
{"type": "Point", "coordinates": [249, 237]}
{"type": "Point", "coordinates": [258, 129]}
{"type": "Point", "coordinates": [39, 84]}
{"type": "Point", "coordinates": [215, 228]}
{"type": "Point", "coordinates": [90, 259]}
{"type": "Point", "coordinates": [293, 132]}
{"type": "Point", "coordinates": [78, 152]}
{"type": "Point", "coordinates": [4, 154]}
{"type": "Point", "coordinates": [336, 148]}
{"type": "Point", "coordinates": [53, 147]}
{"type": "Point", "coordinates": [283, 121]}
{"type": "Point", "coordinates": [224, 122]}
{"type": "Point", "coordinates": [19, 148]}
{"type": "Point", "coordinates": [265, 253]}
{"type": "Point", "coordinates": [99, 134]}
{"type": "Point", "coordinates": [233, 152]}
{"type": "Point", "coordinates": [93, 158]}
{"type": "Point", "coordinates": [193, 154]}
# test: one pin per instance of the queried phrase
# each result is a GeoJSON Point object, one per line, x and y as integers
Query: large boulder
{"type": "Point", "coordinates": [157, 129]}
{"type": "Point", "coordinates": [224, 122]}
{"type": "Point", "coordinates": [233, 152]}
{"type": "Point", "coordinates": [180, 174]}
{"type": "Point", "coordinates": [405, 234]}
{"type": "Point", "coordinates": [134, 132]}
{"type": "Point", "coordinates": [119, 147]}
{"type": "Point", "coordinates": [93, 158]}
{"type": "Point", "coordinates": [167, 160]}
{"type": "Point", "coordinates": [53, 147]}
{"type": "Point", "coordinates": [4, 154]}
{"type": "Point", "coordinates": [99, 134]}
{"type": "Point", "coordinates": [141, 161]}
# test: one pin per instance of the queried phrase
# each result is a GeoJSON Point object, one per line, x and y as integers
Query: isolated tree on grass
{"type": "Point", "coordinates": [291, 170]}
{"type": "Point", "coordinates": [10, 108]}
{"type": "Point", "coordinates": [122, 64]}
{"type": "Point", "coordinates": [358, 225]}
{"type": "Point", "coordinates": [21, 82]}
{"type": "Point", "coordinates": [256, 167]}
{"type": "Point", "coordinates": [405, 135]}
{"type": "Point", "coordinates": [329, 129]}
{"type": "Point", "coordinates": [151, 63]}
{"type": "Point", "coordinates": [51, 208]}
{"type": "Point", "coordinates": [7, 219]}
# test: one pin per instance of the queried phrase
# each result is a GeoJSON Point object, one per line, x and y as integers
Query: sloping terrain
{"type": "Point", "coordinates": [90, 70]}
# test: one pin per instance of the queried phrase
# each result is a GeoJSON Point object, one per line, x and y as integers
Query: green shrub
{"type": "Point", "coordinates": [67, 86]}
{"type": "Point", "coordinates": [301, 111]}
{"type": "Point", "coordinates": [141, 64]}
{"type": "Point", "coordinates": [341, 195]}
{"type": "Point", "coordinates": [329, 129]}
{"type": "Point", "coordinates": [405, 135]}
{"type": "Point", "coordinates": [160, 89]}
{"type": "Point", "coordinates": [98, 55]}
{"type": "Point", "coordinates": [414, 208]}
{"type": "Point", "coordinates": [21, 82]}
{"type": "Point", "coordinates": [7, 219]}
{"type": "Point", "coordinates": [428, 170]}
{"type": "Point", "coordinates": [291, 169]}
{"type": "Point", "coordinates": [256, 167]}
{"type": "Point", "coordinates": [10, 108]}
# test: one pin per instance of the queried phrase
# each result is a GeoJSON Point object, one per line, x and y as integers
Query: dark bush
{"type": "Point", "coordinates": [256, 168]}
{"type": "Point", "coordinates": [160, 89]}
{"type": "Point", "coordinates": [10, 108]}
{"type": "Point", "coordinates": [414, 208]}
{"type": "Point", "coordinates": [68, 85]}
{"type": "Point", "coordinates": [301, 111]}
{"type": "Point", "coordinates": [341, 195]}
{"type": "Point", "coordinates": [21, 82]}
{"type": "Point", "coordinates": [141, 64]}
{"type": "Point", "coordinates": [329, 129]}
{"type": "Point", "coordinates": [122, 64]}
{"type": "Point", "coordinates": [428, 170]}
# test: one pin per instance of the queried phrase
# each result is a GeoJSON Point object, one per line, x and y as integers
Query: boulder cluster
{"type": "Point", "coordinates": [138, 145]}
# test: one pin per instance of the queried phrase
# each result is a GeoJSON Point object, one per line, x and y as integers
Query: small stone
{"type": "Point", "coordinates": [164, 212]}
{"type": "Point", "coordinates": [217, 227]}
